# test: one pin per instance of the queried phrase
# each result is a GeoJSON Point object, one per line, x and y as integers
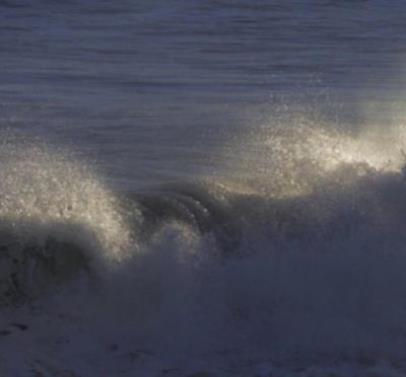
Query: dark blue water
{"type": "Point", "coordinates": [153, 90]}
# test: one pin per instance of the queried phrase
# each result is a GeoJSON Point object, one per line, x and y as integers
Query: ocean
{"type": "Point", "coordinates": [202, 188]}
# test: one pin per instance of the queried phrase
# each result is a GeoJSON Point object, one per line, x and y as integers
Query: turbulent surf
{"type": "Point", "coordinates": [301, 266]}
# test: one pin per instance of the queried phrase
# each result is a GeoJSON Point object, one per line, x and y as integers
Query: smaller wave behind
{"type": "Point", "coordinates": [294, 155]}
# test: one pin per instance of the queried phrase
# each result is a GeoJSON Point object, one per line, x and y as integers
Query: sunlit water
{"type": "Point", "coordinates": [202, 187]}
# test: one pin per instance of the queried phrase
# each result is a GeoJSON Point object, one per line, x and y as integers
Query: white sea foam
{"type": "Point", "coordinates": [45, 186]}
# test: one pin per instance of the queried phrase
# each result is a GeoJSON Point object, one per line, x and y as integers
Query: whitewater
{"type": "Point", "coordinates": [299, 272]}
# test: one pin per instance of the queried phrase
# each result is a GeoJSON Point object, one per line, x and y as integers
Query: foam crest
{"type": "Point", "coordinates": [43, 187]}
{"type": "Point", "coordinates": [295, 158]}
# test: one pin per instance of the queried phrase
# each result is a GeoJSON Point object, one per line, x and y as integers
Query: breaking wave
{"type": "Point", "coordinates": [302, 260]}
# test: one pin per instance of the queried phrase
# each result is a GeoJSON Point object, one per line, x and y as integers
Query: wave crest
{"type": "Point", "coordinates": [55, 212]}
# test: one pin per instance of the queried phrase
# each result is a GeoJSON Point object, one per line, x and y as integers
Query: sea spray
{"type": "Point", "coordinates": [55, 214]}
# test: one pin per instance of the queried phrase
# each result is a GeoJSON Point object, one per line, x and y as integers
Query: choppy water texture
{"type": "Point", "coordinates": [202, 188]}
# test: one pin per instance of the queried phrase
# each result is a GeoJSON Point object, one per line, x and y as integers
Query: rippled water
{"type": "Point", "coordinates": [156, 90]}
